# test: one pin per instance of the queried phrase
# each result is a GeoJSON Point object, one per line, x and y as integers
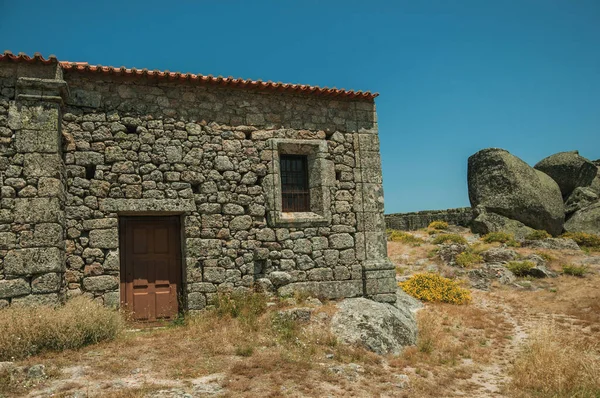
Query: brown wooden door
{"type": "Point", "coordinates": [150, 266]}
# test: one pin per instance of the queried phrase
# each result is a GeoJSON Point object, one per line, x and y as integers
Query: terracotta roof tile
{"type": "Point", "coordinates": [219, 80]}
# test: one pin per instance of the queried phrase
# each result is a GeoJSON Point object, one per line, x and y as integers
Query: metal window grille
{"type": "Point", "coordinates": [294, 183]}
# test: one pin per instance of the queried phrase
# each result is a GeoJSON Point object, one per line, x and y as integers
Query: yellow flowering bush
{"type": "Point", "coordinates": [433, 287]}
{"type": "Point", "coordinates": [449, 238]}
{"type": "Point", "coordinates": [404, 237]}
{"type": "Point", "coordinates": [440, 225]}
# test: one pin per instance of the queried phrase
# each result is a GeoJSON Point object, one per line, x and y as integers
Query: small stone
{"type": "Point", "coordinates": [36, 372]}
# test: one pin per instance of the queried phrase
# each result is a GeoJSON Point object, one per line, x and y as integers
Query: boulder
{"type": "Point", "coordinates": [580, 198]}
{"type": "Point", "coordinates": [486, 222]}
{"type": "Point", "coordinates": [499, 255]}
{"type": "Point", "coordinates": [585, 220]}
{"type": "Point", "coordinates": [569, 170]}
{"type": "Point", "coordinates": [448, 252]}
{"type": "Point", "coordinates": [406, 302]}
{"type": "Point", "coordinates": [505, 185]}
{"type": "Point", "coordinates": [552, 243]}
{"type": "Point", "coordinates": [541, 271]}
{"type": "Point", "coordinates": [537, 260]}
{"type": "Point", "coordinates": [379, 327]}
{"type": "Point", "coordinates": [483, 277]}
{"type": "Point", "coordinates": [595, 185]}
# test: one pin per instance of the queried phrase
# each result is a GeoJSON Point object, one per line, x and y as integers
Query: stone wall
{"type": "Point", "coordinates": [112, 145]}
{"type": "Point", "coordinates": [421, 219]}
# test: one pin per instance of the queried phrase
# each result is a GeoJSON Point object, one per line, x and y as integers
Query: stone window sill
{"type": "Point", "coordinates": [300, 219]}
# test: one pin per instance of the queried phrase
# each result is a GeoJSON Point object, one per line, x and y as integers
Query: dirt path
{"type": "Point", "coordinates": [490, 379]}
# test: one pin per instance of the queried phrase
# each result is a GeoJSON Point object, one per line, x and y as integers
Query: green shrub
{"type": "Point", "coordinates": [538, 234]}
{"type": "Point", "coordinates": [520, 268]}
{"type": "Point", "coordinates": [80, 322]}
{"type": "Point", "coordinates": [546, 256]}
{"type": "Point", "coordinates": [434, 287]}
{"type": "Point", "coordinates": [439, 225]}
{"type": "Point", "coordinates": [285, 328]}
{"type": "Point", "coordinates": [404, 237]}
{"type": "Point", "coordinates": [449, 238]}
{"type": "Point", "coordinates": [584, 239]}
{"type": "Point", "coordinates": [245, 306]}
{"type": "Point", "coordinates": [501, 237]}
{"type": "Point", "coordinates": [575, 270]}
{"type": "Point", "coordinates": [468, 258]}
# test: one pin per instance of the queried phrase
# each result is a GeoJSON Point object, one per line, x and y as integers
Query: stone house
{"type": "Point", "coordinates": [156, 190]}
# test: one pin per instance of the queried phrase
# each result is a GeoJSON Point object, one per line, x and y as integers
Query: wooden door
{"type": "Point", "coordinates": [150, 266]}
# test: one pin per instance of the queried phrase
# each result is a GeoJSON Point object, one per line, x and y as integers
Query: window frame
{"type": "Point", "coordinates": [321, 178]}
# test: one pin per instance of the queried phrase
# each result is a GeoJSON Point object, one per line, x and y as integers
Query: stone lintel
{"type": "Point", "coordinates": [38, 89]}
{"type": "Point", "coordinates": [154, 206]}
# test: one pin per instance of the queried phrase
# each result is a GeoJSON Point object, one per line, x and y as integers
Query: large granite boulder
{"type": "Point", "coordinates": [379, 327]}
{"type": "Point", "coordinates": [569, 170]}
{"type": "Point", "coordinates": [595, 185]}
{"type": "Point", "coordinates": [580, 198]}
{"type": "Point", "coordinates": [585, 220]}
{"type": "Point", "coordinates": [503, 184]}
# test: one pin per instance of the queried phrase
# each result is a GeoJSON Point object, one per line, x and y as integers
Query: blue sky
{"type": "Point", "coordinates": [453, 76]}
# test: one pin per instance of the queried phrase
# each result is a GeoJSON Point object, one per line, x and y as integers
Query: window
{"type": "Point", "coordinates": [298, 184]}
{"type": "Point", "coordinates": [295, 195]}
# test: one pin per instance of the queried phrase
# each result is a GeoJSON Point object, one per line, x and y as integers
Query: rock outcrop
{"type": "Point", "coordinates": [569, 170]}
{"type": "Point", "coordinates": [381, 328]}
{"type": "Point", "coordinates": [505, 185]}
{"type": "Point", "coordinates": [595, 185]}
{"type": "Point", "coordinates": [585, 220]}
{"type": "Point", "coordinates": [580, 199]}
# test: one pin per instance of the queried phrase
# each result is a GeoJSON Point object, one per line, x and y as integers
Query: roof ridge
{"type": "Point", "coordinates": [208, 79]}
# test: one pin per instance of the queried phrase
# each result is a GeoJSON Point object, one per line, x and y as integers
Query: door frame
{"type": "Point", "coordinates": [122, 219]}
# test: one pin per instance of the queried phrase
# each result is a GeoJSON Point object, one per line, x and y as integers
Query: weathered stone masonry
{"type": "Point", "coordinates": [421, 219]}
{"type": "Point", "coordinates": [80, 148]}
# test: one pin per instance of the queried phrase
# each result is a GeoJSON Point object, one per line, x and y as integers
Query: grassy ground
{"type": "Point", "coordinates": [536, 338]}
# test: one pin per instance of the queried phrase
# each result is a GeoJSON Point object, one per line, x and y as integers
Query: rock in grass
{"type": "Point", "coordinates": [552, 244]}
{"type": "Point", "coordinates": [486, 222]}
{"type": "Point", "coordinates": [379, 327]}
{"type": "Point", "coordinates": [483, 277]}
{"type": "Point", "coordinates": [499, 255]}
{"type": "Point", "coordinates": [541, 271]}
{"type": "Point", "coordinates": [505, 185]}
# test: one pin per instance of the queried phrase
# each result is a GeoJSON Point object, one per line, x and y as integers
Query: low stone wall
{"type": "Point", "coordinates": [421, 219]}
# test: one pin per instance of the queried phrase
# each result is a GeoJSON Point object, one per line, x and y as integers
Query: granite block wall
{"type": "Point", "coordinates": [421, 219]}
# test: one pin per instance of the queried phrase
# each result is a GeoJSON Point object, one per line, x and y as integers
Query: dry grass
{"type": "Point", "coordinates": [453, 343]}
{"type": "Point", "coordinates": [259, 353]}
{"type": "Point", "coordinates": [557, 363]}
{"type": "Point", "coordinates": [27, 331]}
